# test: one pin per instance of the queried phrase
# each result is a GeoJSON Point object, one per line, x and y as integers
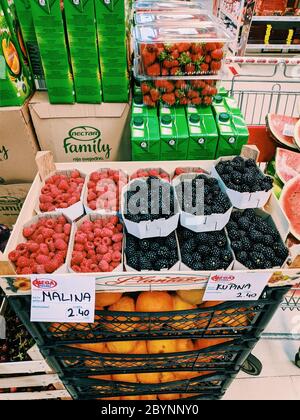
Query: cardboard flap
{"type": "Point", "coordinates": [40, 105]}
{"type": "Point", "coordinates": [273, 208]}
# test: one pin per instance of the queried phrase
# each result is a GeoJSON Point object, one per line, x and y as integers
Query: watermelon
{"type": "Point", "coordinates": [287, 164]}
{"type": "Point", "coordinates": [297, 134]}
{"type": "Point", "coordinates": [290, 203]}
{"type": "Point", "coordinates": [279, 124]}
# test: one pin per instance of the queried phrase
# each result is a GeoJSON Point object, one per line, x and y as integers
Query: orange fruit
{"type": "Point", "coordinates": [130, 397]}
{"type": "Point", "coordinates": [102, 377]}
{"type": "Point", "coordinates": [107, 298]}
{"type": "Point", "coordinates": [167, 377]}
{"type": "Point", "coordinates": [194, 297]}
{"type": "Point", "coordinates": [148, 397]}
{"type": "Point", "coordinates": [122, 323]}
{"type": "Point", "coordinates": [156, 301]}
{"type": "Point", "coordinates": [125, 377]}
{"type": "Point", "coordinates": [185, 375]}
{"type": "Point", "coordinates": [184, 344]}
{"type": "Point", "coordinates": [11, 56]}
{"type": "Point", "coordinates": [186, 321]}
{"type": "Point", "coordinates": [209, 304]}
{"type": "Point", "coordinates": [121, 347]}
{"type": "Point", "coordinates": [109, 399]}
{"type": "Point", "coordinates": [57, 328]}
{"type": "Point", "coordinates": [140, 348]}
{"type": "Point", "coordinates": [95, 347]}
{"type": "Point", "coordinates": [161, 346]}
{"type": "Point", "coordinates": [235, 318]}
{"type": "Point", "coordinates": [188, 395]}
{"type": "Point", "coordinates": [149, 378]}
{"type": "Point", "coordinates": [167, 397]}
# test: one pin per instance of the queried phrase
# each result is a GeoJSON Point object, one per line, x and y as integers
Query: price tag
{"type": "Point", "coordinates": [289, 130]}
{"type": "Point", "coordinates": [235, 286]}
{"type": "Point", "coordinates": [62, 299]}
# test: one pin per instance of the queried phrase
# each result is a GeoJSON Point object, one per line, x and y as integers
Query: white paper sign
{"type": "Point", "coordinates": [289, 130]}
{"type": "Point", "coordinates": [236, 286]}
{"type": "Point", "coordinates": [57, 298]}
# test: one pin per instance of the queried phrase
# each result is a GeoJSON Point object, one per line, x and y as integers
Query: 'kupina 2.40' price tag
{"type": "Point", "coordinates": [62, 299]}
{"type": "Point", "coordinates": [232, 286]}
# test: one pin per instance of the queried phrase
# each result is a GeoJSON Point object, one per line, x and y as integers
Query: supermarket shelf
{"type": "Point", "coordinates": [294, 47]}
{"type": "Point", "coordinates": [276, 19]}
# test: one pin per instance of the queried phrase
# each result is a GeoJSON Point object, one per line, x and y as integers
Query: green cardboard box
{"type": "Point", "coordinates": [145, 138]}
{"type": "Point", "coordinates": [15, 85]}
{"type": "Point", "coordinates": [50, 33]}
{"type": "Point", "coordinates": [174, 136]}
{"type": "Point", "coordinates": [82, 38]}
{"type": "Point", "coordinates": [32, 48]}
{"type": "Point", "coordinates": [233, 134]}
{"type": "Point", "coordinates": [139, 109]}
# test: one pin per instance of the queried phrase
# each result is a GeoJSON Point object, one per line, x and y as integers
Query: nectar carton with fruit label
{"type": "Point", "coordinates": [32, 48]}
{"type": "Point", "coordinates": [145, 138]}
{"type": "Point", "coordinates": [174, 137]}
{"type": "Point", "coordinates": [225, 104]}
{"type": "Point", "coordinates": [82, 38]}
{"type": "Point", "coordinates": [15, 84]}
{"type": "Point", "coordinates": [203, 136]}
{"type": "Point", "coordinates": [233, 134]}
{"type": "Point", "coordinates": [174, 111]}
{"type": "Point", "coordinates": [50, 33]}
{"type": "Point", "coordinates": [139, 109]}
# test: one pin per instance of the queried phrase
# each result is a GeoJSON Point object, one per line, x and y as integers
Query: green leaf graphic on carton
{"type": "Point", "coordinates": [86, 139]}
{"type": "Point", "coordinates": [110, 4]}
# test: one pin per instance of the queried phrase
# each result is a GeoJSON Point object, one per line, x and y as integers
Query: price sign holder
{"type": "Point", "coordinates": [62, 299]}
{"type": "Point", "coordinates": [230, 286]}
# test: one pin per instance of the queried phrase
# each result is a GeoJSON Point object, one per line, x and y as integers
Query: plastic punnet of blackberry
{"type": "Point", "coordinates": [242, 257]}
{"type": "Point", "coordinates": [246, 244]}
{"type": "Point", "coordinates": [244, 223]}
{"type": "Point", "coordinates": [145, 263]}
{"type": "Point", "coordinates": [212, 263]}
{"type": "Point", "coordinates": [235, 216]}
{"type": "Point", "coordinates": [133, 261]}
{"type": "Point", "coordinates": [163, 252]}
{"type": "Point", "coordinates": [188, 259]}
{"type": "Point", "coordinates": [215, 252]}
{"type": "Point", "coordinates": [220, 240]}
{"type": "Point", "coordinates": [226, 256]}
{"type": "Point", "coordinates": [203, 250]}
{"type": "Point", "coordinates": [269, 253]}
{"type": "Point", "coordinates": [161, 264]}
{"type": "Point", "coordinates": [236, 245]}
{"type": "Point", "coordinates": [258, 259]}
{"type": "Point", "coordinates": [255, 235]}
{"type": "Point", "coordinates": [250, 163]}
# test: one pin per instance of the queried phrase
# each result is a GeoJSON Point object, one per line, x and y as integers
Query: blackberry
{"type": "Point", "coordinates": [134, 261]}
{"type": "Point", "coordinates": [236, 215]}
{"type": "Point", "coordinates": [263, 226]}
{"type": "Point", "coordinates": [154, 246]}
{"type": "Point", "coordinates": [144, 244]}
{"type": "Point", "coordinates": [236, 177]}
{"type": "Point", "coordinates": [221, 240]}
{"type": "Point", "coordinates": [197, 257]}
{"type": "Point", "coordinates": [203, 250]}
{"type": "Point", "coordinates": [269, 253]}
{"type": "Point", "coordinates": [231, 185]}
{"type": "Point", "coordinates": [186, 233]}
{"type": "Point", "coordinates": [212, 182]}
{"type": "Point", "coordinates": [212, 263]}
{"type": "Point", "coordinates": [258, 259]}
{"type": "Point", "coordinates": [188, 259]}
{"type": "Point", "coordinates": [226, 256]}
{"type": "Point", "coordinates": [172, 262]}
{"type": "Point", "coordinates": [255, 188]}
{"type": "Point", "coordinates": [250, 265]}
{"type": "Point", "coordinates": [246, 244]}
{"type": "Point", "coordinates": [231, 225]}
{"type": "Point", "coordinates": [249, 179]}
{"type": "Point", "coordinates": [217, 208]}
{"type": "Point", "coordinates": [282, 252]}
{"type": "Point", "coordinates": [215, 252]}
{"type": "Point", "coordinates": [197, 266]}
{"type": "Point", "coordinates": [242, 257]}
{"type": "Point", "coordinates": [250, 163]}
{"type": "Point", "coordinates": [161, 264]}
{"type": "Point", "coordinates": [245, 188]}
{"type": "Point", "coordinates": [151, 255]}
{"type": "Point", "coordinates": [277, 262]}
{"type": "Point", "coordinates": [171, 242]}
{"type": "Point", "coordinates": [209, 199]}
{"type": "Point", "coordinates": [202, 237]}
{"type": "Point", "coordinates": [244, 223]}
{"type": "Point", "coordinates": [207, 210]}
{"type": "Point", "coordinates": [258, 248]}
{"type": "Point", "coordinates": [163, 252]}
{"type": "Point", "coordinates": [267, 240]}
{"type": "Point", "coordinates": [145, 263]}
{"type": "Point", "coordinates": [226, 178]}
{"type": "Point", "coordinates": [173, 255]}
{"type": "Point", "coordinates": [220, 168]}
{"type": "Point", "coordinates": [234, 234]}
{"type": "Point", "coordinates": [255, 235]}
{"type": "Point", "coordinates": [236, 246]}
{"type": "Point", "coordinates": [249, 214]}
{"type": "Point", "coordinates": [268, 264]}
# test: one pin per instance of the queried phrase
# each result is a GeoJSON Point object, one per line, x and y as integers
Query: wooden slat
{"type": "Point", "coordinates": [250, 152]}
{"type": "Point", "coordinates": [31, 381]}
{"type": "Point", "coordinates": [42, 395]}
{"type": "Point", "coordinates": [39, 366]}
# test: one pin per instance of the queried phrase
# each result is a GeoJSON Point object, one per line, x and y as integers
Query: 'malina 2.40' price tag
{"type": "Point", "coordinates": [235, 286]}
{"type": "Point", "coordinates": [62, 299]}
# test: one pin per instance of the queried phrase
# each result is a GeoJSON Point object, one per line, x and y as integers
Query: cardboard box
{"type": "Point", "coordinates": [82, 38]}
{"type": "Point", "coordinates": [81, 132]}
{"type": "Point", "coordinates": [50, 33]}
{"type": "Point", "coordinates": [12, 197]}
{"type": "Point", "coordinates": [30, 42]}
{"type": "Point", "coordinates": [15, 84]}
{"type": "Point", "coordinates": [18, 145]}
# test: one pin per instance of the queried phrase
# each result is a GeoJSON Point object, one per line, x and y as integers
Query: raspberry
{"type": "Point", "coordinates": [114, 264]}
{"type": "Point", "coordinates": [60, 244]}
{"type": "Point", "coordinates": [63, 205]}
{"type": "Point", "coordinates": [86, 227]}
{"type": "Point", "coordinates": [33, 256]}
{"type": "Point", "coordinates": [40, 269]}
{"type": "Point", "coordinates": [102, 249]}
{"type": "Point", "coordinates": [110, 268]}
{"type": "Point", "coordinates": [116, 256]}
{"type": "Point", "coordinates": [94, 268]}
{"type": "Point", "coordinates": [44, 249]}
{"type": "Point", "coordinates": [23, 262]}
{"type": "Point", "coordinates": [63, 185]}
{"type": "Point", "coordinates": [103, 265]}
{"type": "Point", "coordinates": [42, 259]}
{"type": "Point", "coordinates": [75, 174]}
{"type": "Point", "coordinates": [97, 241]}
{"type": "Point", "coordinates": [72, 201]}
{"type": "Point", "coordinates": [50, 243]}
{"type": "Point", "coordinates": [28, 231]}
{"type": "Point", "coordinates": [39, 239]}
{"type": "Point", "coordinates": [117, 237]}
{"type": "Point", "coordinates": [13, 256]}
{"type": "Point", "coordinates": [106, 233]}
{"type": "Point", "coordinates": [47, 233]}
{"type": "Point", "coordinates": [22, 248]}
{"type": "Point", "coordinates": [50, 223]}
{"type": "Point", "coordinates": [107, 257]}
{"type": "Point", "coordinates": [80, 238]}
{"type": "Point", "coordinates": [76, 268]}
{"type": "Point", "coordinates": [117, 246]}
{"type": "Point", "coordinates": [95, 176]}
{"type": "Point", "coordinates": [92, 205]}
{"type": "Point", "coordinates": [97, 232]}
{"type": "Point", "coordinates": [88, 246]}
{"type": "Point", "coordinates": [51, 266]}
{"type": "Point", "coordinates": [91, 196]}
{"type": "Point", "coordinates": [27, 270]}
{"type": "Point", "coordinates": [90, 236]}
{"type": "Point", "coordinates": [62, 220]}
{"type": "Point", "coordinates": [106, 241]}
{"type": "Point", "coordinates": [67, 229]}
{"type": "Point", "coordinates": [78, 247]}
{"type": "Point", "coordinates": [58, 228]}
{"type": "Point", "coordinates": [91, 185]}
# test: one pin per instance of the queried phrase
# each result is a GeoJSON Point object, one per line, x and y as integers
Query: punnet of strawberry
{"type": "Point", "coordinates": [180, 51]}
{"type": "Point", "coordinates": [45, 248]}
{"type": "Point", "coordinates": [178, 92]}
{"type": "Point", "coordinates": [98, 244]}
{"type": "Point", "coordinates": [61, 190]}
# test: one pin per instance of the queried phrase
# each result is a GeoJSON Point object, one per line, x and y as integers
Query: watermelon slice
{"type": "Point", "coordinates": [287, 164]}
{"type": "Point", "coordinates": [281, 129]}
{"type": "Point", "coordinates": [297, 134]}
{"type": "Point", "coordinates": [290, 203]}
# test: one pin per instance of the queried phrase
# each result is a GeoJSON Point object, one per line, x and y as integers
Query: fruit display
{"type": "Point", "coordinates": [149, 199]}
{"type": "Point", "coordinates": [290, 204]}
{"type": "Point", "coordinates": [178, 92]}
{"type": "Point", "coordinates": [46, 245]}
{"type": "Point", "coordinates": [215, 200]}
{"type": "Point", "coordinates": [151, 254]}
{"type": "Point", "coordinates": [180, 170]}
{"type": "Point", "coordinates": [97, 245]}
{"type": "Point", "coordinates": [61, 190]}
{"type": "Point", "coordinates": [281, 129]}
{"type": "Point", "coordinates": [4, 236]}
{"type": "Point", "coordinates": [255, 240]}
{"type": "Point", "coordinates": [204, 250]}
{"type": "Point", "coordinates": [146, 172]}
{"type": "Point", "coordinates": [287, 164]}
{"type": "Point", "coordinates": [183, 50]}
{"type": "Point", "coordinates": [104, 188]}
{"type": "Point", "coordinates": [243, 175]}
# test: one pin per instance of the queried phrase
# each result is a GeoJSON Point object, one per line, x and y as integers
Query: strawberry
{"type": "Point", "coordinates": [175, 54]}
{"type": "Point", "coordinates": [155, 95]}
{"type": "Point", "coordinates": [185, 58]}
{"type": "Point", "coordinates": [210, 46]}
{"type": "Point", "coordinates": [217, 54]}
{"type": "Point", "coordinates": [148, 56]}
{"type": "Point", "coordinates": [197, 58]}
{"type": "Point", "coordinates": [179, 93]}
{"type": "Point", "coordinates": [197, 49]}
{"type": "Point", "coordinates": [183, 101]}
{"type": "Point", "coordinates": [167, 86]}
{"type": "Point", "coordinates": [169, 98]}
{"type": "Point", "coordinates": [198, 84]}
{"type": "Point", "coordinates": [175, 71]}
{"type": "Point", "coordinates": [206, 91]}
{"type": "Point", "coordinates": [213, 91]}
{"type": "Point", "coordinates": [219, 45]}
{"type": "Point", "coordinates": [196, 101]}
{"type": "Point", "coordinates": [204, 67]}
{"type": "Point", "coordinates": [215, 65]}
{"type": "Point", "coordinates": [190, 68]}
{"type": "Point", "coordinates": [207, 100]}
{"type": "Point", "coordinates": [164, 71]}
{"type": "Point", "coordinates": [192, 94]}
{"type": "Point", "coordinates": [147, 101]}
{"type": "Point", "coordinates": [184, 46]}
{"type": "Point", "coordinates": [169, 63]}
{"type": "Point", "coordinates": [145, 88]}
{"type": "Point", "coordinates": [170, 47]}
{"type": "Point", "coordinates": [181, 84]}
{"type": "Point", "coordinates": [153, 70]}
{"type": "Point", "coordinates": [207, 59]}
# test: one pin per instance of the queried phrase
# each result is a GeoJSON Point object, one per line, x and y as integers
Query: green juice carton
{"type": "Point", "coordinates": [203, 137]}
{"type": "Point", "coordinates": [31, 45]}
{"type": "Point", "coordinates": [82, 38]}
{"type": "Point", "coordinates": [50, 33]}
{"type": "Point", "coordinates": [225, 104]}
{"type": "Point", "coordinates": [15, 84]}
{"type": "Point", "coordinates": [111, 23]}
{"type": "Point", "coordinates": [233, 134]}
{"type": "Point", "coordinates": [145, 138]}
{"type": "Point", "coordinates": [174, 111]}
{"type": "Point", "coordinates": [174, 136]}
{"type": "Point", "coordinates": [139, 109]}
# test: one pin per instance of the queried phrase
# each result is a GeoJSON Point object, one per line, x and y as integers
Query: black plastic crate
{"type": "Point", "coordinates": [228, 319]}
{"type": "Point", "coordinates": [209, 383]}
{"type": "Point", "coordinates": [72, 362]}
